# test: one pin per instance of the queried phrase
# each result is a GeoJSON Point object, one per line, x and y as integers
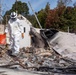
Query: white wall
{"type": "Point", "coordinates": [26, 41]}
{"type": "Point", "coordinates": [65, 44]}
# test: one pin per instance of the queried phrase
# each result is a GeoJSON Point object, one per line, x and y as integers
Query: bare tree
{"type": "Point", "coordinates": [74, 4]}
{"type": "Point", "coordinates": [63, 2]}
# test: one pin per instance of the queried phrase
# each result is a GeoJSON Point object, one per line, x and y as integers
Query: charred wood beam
{"type": "Point", "coordinates": [8, 65]}
{"type": "Point", "coordinates": [68, 70]}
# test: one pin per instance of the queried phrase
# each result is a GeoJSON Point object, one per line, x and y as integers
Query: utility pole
{"type": "Point", "coordinates": [35, 15]}
{"type": "Point", "coordinates": [47, 41]}
{"type": "Point", "coordinates": [1, 11]}
{"type": "Point", "coordinates": [68, 29]}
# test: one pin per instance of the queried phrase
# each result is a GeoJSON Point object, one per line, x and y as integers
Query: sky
{"type": "Point", "coordinates": [36, 4]}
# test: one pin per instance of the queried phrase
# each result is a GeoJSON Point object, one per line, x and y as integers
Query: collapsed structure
{"type": "Point", "coordinates": [65, 44]}
{"type": "Point", "coordinates": [41, 49]}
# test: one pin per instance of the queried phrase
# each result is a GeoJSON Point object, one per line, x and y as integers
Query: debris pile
{"type": "Point", "coordinates": [37, 58]}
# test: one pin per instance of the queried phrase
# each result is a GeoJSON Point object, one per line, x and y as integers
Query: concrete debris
{"type": "Point", "coordinates": [37, 40]}
{"type": "Point", "coordinates": [64, 44]}
{"type": "Point", "coordinates": [36, 59]}
{"type": "Point", "coordinates": [39, 56]}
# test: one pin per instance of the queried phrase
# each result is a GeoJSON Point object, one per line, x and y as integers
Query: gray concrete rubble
{"type": "Point", "coordinates": [4, 71]}
{"type": "Point", "coordinates": [39, 57]}
{"type": "Point", "coordinates": [65, 44]}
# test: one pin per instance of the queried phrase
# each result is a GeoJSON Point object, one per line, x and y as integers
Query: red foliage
{"type": "Point", "coordinates": [51, 18]}
{"type": "Point", "coordinates": [60, 10]}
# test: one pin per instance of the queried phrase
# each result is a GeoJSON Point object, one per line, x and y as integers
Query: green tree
{"type": "Point", "coordinates": [61, 11]}
{"type": "Point", "coordinates": [42, 17]}
{"type": "Point", "coordinates": [21, 8]}
{"type": "Point", "coordinates": [32, 19]}
{"type": "Point", "coordinates": [47, 7]}
{"type": "Point", "coordinates": [61, 20]}
{"type": "Point", "coordinates": [42, 14]}
{"type": "Point", "coordinates": [67, 18]}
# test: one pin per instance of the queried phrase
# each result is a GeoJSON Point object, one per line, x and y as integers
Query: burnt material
{"type": "Point", "coordinates": [48, 33]}
{"type": "Point", "coordinates": [68, 70]}
{"type": "Point", "coordinates": [37, 40]}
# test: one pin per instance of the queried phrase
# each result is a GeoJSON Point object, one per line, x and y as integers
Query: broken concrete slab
{"type": "Point", "coordinates": [64, 43]}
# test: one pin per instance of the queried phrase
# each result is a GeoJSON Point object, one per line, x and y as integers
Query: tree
{"type": "Point", "coordinates": [67, 18]}
{"type": "Point", "coordinates": [52, 19]}
{"type": "Point", "coordinates": [32, 19]}
{"type": "Point", "coordinates": [74, 4]}
{"type": "Point", "coordinates": [47, 7]}
{"type": "Point", "coordinates": [42, 14]}
{"type": "Point", "coordinates": [42, 17]}
{"type": "Point", "coordinates": [61, 20]}
{"type": "Point", "coordinates": [22, 8]}
{"type": "Point", "coordinates": [63, 2]}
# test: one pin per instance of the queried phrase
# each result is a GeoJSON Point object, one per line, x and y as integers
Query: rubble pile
{"type": "Point", "coordinates": [35, 59]}
{"type": "Point", "coordinates": [38, 57]}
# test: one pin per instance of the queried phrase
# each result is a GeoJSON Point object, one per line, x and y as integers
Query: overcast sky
{"type": "Point", "coordinates": [36, 4]}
